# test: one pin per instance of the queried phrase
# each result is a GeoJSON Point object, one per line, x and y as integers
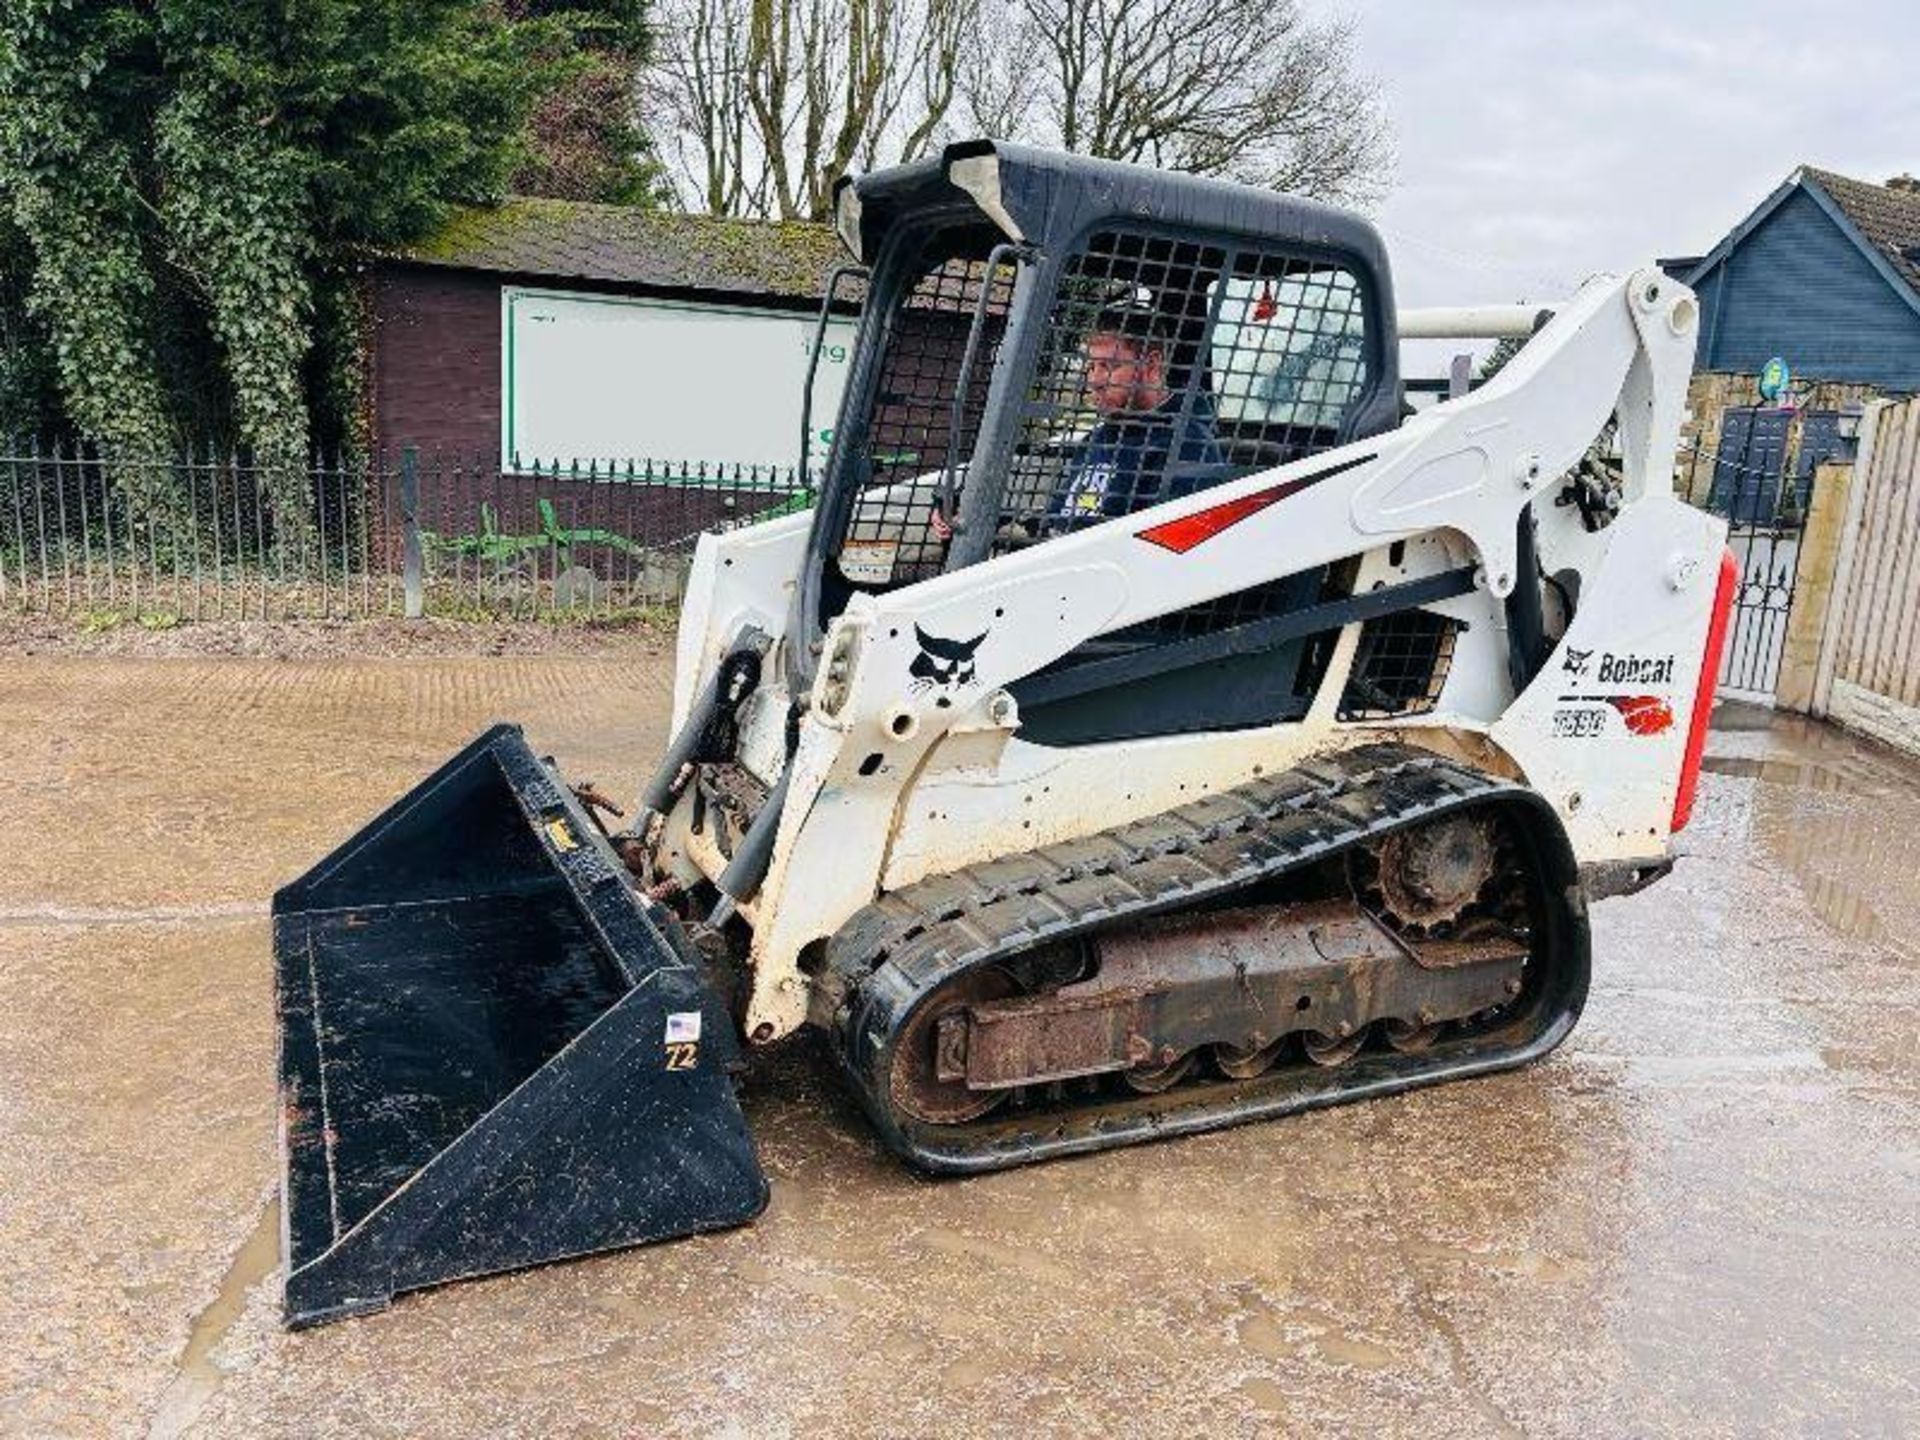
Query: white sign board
{"type": "Point", "coordinates": [607, 380]}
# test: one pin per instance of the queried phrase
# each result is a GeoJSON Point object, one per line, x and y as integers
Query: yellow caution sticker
{"type": "Point", "coordinates": [561, 834]}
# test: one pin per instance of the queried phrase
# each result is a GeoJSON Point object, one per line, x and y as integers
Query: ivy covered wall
{"type": "Point", "coordinates": [186, 187]}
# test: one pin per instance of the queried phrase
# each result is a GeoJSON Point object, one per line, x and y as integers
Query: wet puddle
{"type": "Point", "coordinates": [1263, 1336]}
{"type": "Point", "coordinates": [198, 1377]}
{"type": "Point", "coordinates": [1842, 821]}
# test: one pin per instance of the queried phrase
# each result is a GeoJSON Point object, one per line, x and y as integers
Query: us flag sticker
{"type": "Point", "coordinates": [683, 1027]}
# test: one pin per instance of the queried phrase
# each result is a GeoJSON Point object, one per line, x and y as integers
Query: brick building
{"type": "Point", "coordinates": [443, 321]}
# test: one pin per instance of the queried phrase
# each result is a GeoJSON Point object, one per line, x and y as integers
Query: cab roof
{"type": "Point", "coordinates": [1050, 198]}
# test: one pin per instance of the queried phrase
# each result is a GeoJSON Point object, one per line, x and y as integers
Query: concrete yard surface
{"type": "Point", "coordinates": [1698, 1217]}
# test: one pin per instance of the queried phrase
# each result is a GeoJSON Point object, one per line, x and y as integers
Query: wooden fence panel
{"type": "Point", "coordinates": [1870, 654]}
{"type": "Point", "coordinates": [1893, 620]}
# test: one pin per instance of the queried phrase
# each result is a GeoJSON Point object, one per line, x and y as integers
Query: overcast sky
{"type": "Point", "coordinates": [1540, 141]}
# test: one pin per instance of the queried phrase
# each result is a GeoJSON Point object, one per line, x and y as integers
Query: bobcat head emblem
{"type": "Point", "coordinates": [1577, 661]}
{"type": "Point", "coordinates": [943, 665]}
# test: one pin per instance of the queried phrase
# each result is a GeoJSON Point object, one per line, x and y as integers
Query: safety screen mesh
{"type": "Point", "coordinates": [891, 538]}
{"type": "Point", "coordinates": [1400, 667]}
{"type": "Point", "coordinates": [1168, 366]}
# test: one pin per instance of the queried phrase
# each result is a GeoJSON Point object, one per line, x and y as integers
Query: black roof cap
{"type": "Point", "coordinates": [1051, 197]}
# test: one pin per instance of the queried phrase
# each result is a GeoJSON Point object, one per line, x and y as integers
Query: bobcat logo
{"type": "Point", "coordinates": [943, 665]}
{"type": "Point", "coordinates": [1577, 663]}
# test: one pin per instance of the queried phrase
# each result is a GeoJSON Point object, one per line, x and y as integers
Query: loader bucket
{"type": "Point", "coordinates": [493, 1051]}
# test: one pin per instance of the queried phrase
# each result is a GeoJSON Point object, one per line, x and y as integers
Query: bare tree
{"type": "Point", "coordinates": [1248, 89]}
{"type": "Point", "coordinates": [761, 105]}
{"type": "Point", "coordinates": [1003, 78]}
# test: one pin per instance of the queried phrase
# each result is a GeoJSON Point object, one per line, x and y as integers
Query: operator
{"type": "Point", "coordinates": [1122, 464]}
{"type": "Point", "coordinates": [1124, 461]}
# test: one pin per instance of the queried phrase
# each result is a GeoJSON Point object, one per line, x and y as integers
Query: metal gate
{"type": "Point", "coordinates": [1763, 486]}
{"type": "Point", "coordinates": [1764, 534]}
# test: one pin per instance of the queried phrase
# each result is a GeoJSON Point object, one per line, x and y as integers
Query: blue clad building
{"type": "Point", "coordinates": [1826, 273]}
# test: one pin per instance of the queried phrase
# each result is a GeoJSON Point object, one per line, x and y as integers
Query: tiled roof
{"type": "Point", "coordinates": [570, 240]}
{"type": "Point", "coordinates": [1889, 218]}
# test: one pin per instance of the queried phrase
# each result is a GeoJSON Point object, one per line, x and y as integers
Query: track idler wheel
{"type": "Point", "coordinates": [1410, 1037]}
{"type": "Point", "coordinates": [1152, 1079]}
{"type": "Point", "coordinates": [1246, 1062]}
{"type": "Point", "coordinates": [1330, 1050]}
{"type": "Point", "coordinates": [916, 1085]}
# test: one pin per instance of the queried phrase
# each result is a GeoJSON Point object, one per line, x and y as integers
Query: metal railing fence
{"type": "Point", "coordinates": [196, 536]}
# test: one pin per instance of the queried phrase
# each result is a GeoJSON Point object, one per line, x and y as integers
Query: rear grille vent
{"type": "Point", "coordinates": [1401, 666]}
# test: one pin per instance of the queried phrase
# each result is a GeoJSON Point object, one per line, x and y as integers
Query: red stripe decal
{"type": "Point", "coordinates": [1703, 692]}
{"type": "Point", "coordinates": [1184, 534]}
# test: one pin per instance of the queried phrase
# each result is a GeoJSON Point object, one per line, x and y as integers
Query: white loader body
{"type": "Point", "coordinates": [889, 785]}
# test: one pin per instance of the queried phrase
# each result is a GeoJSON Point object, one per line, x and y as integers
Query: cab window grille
{"type": "Point", "coordinates": [1400, 667]}
{"type": "Point", "coordinates": [910, 438]}
{"type": "Point", "coordinates": [1168, 367]}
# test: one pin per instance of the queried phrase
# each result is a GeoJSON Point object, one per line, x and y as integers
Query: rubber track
{"type": "Point", "coordinates": [897, 951]}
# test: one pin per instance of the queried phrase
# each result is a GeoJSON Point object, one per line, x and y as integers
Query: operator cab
{"type": "Point", "coordinates": [1050, 342]}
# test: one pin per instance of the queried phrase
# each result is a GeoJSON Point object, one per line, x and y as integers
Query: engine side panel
{"type": "Point", "coordinates": [1602, 729]}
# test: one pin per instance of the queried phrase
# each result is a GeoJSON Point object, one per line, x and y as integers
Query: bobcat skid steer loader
{"type": "Point", "coordinates": [1153, 726]}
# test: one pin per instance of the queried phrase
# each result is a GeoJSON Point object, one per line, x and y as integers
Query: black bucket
{"type": "Point", "coordinates": [493, 1052]}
